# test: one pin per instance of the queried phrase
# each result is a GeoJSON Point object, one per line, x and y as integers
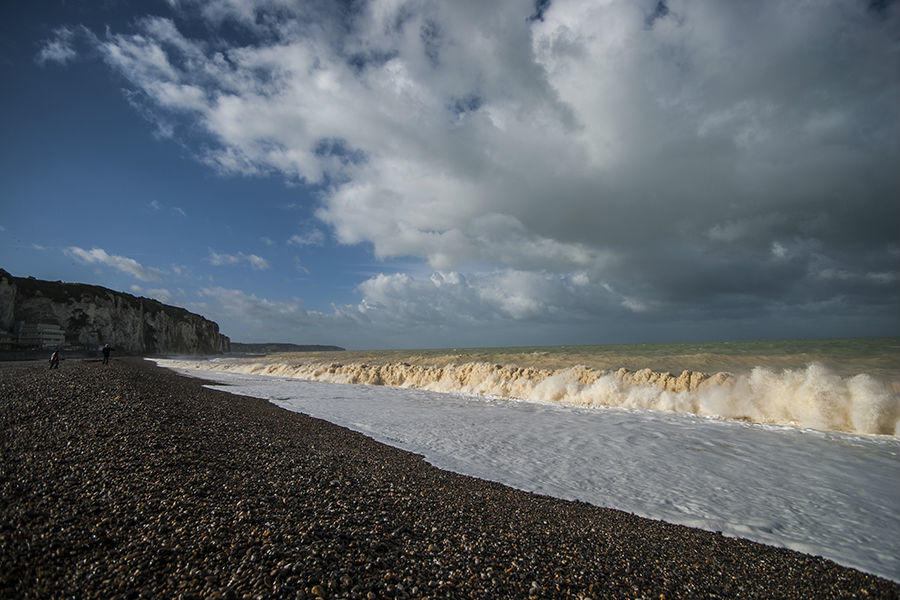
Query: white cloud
{"type": "Point", "coordinates": [778, 250]}
{"type": "Point", "coordinates": [59, 48]}
{"type": "Point", "coordinates": [247, 317]}
{"type": "Point", "coordinates": [161, 294]}
{"type": "Point", "coordinates": [453, 298]}
{"type": "Point", "coordinates": [267, 241]}
{"type": "Point", "coordinates": [121, 263]}
{"type": "Point", "coordinates": [445, 309]}
{"type": "Point", "coordinates": [313, 237]}
{"type": "Point", "coordinates": [661, 155]}
{"type": "Point", "coordinates": [156, 205]}
{"type": "Point", "coordinates": [298, 264]}
{"type": "Point", "coordinates": [257, 262]}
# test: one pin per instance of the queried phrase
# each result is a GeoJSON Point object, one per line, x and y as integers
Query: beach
{"type": "Point", "coordinates": [127, 480]}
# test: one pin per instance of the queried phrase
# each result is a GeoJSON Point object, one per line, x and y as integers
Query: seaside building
{"type": "Point", "coordinates": [7, 340]}
{"type": "Point", "coordinates": [41, 335]}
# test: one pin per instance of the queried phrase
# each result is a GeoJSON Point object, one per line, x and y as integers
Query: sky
{"type": "Point", "coordinates": [425, 174]}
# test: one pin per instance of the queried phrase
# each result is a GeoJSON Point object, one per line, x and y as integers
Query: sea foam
{"type": "Point", "coordinates": [812, 397]}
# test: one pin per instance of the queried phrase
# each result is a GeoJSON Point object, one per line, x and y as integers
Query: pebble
{"type": "Point", "coordinates": [128, 481]}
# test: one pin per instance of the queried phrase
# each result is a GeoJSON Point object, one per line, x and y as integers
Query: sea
{"type": "Point", "coordinates": [791, 443]}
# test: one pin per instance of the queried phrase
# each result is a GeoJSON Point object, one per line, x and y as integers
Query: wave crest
{"type": "Point", "coordinates": [812, 397]}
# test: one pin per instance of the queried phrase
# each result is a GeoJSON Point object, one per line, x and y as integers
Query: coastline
{"type": "Point", "coordinates": [131, 480]}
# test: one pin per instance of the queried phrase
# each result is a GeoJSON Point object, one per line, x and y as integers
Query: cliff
{"type": "Point", "coordinates": [92, 315]}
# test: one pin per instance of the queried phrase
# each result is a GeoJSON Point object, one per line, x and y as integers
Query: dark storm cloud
{"type": "Point", "coordinates": [540, 7]}
{"type": "Point", "coordinates": [673, 158]}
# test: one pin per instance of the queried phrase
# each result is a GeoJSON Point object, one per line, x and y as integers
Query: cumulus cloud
{"type": "Point", "coordinates": [445, 308]}
{"type": "Point", "coordinates": [218, 260]}
{"type": "Point", "coordinates": [447, 297]}
{"type": "Point", "coordinates": [706, 154]}
{"type": "Point", "coordinates": [248, 317]}
{"type": "Point", "coordinates": [449, 309]}
{"type": "Point", "coordinates": [121, 263]}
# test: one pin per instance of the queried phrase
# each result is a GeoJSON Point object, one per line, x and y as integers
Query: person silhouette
{"type": "Point", "coordinates": [106, 351]}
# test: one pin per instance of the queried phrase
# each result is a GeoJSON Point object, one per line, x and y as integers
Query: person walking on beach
{"type": "Point", "coordinates": [54, 360]}
{"type": "Point", "coordinates": [106, 351]}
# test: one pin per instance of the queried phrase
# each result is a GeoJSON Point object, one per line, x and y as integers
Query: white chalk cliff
{"type": "Point", "coordinates": [93, 315]}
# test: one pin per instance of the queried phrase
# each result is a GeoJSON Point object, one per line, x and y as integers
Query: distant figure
{"type": "Point", "coordinates": [54, 360]}
{"type": "Point", "coordinates": [106, 351]}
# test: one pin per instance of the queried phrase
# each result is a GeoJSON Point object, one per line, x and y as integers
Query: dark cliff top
{"type": "Point", "coordinates": [278, 347]}
{"type": "Point", "coordinates": [62, 292]}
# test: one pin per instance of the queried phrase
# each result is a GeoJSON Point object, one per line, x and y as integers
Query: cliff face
{"type": "Point", "coordinates": [93, 315]}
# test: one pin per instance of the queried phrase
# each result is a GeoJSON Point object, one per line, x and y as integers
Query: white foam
{"type": "Point", "coordinates": [812, 397]}
{"type": "Point", "coordinates": [827, 494]}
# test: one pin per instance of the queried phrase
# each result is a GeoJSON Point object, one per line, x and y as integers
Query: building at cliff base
{"type": "Point", "coordinates": [41, 335]}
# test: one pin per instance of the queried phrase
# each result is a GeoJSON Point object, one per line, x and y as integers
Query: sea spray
{"type": "Point", "coordinates": [811, 397]}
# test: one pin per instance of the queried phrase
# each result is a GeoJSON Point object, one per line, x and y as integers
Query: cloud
{"type": "Point", "coordinates": [517, 296]}
{"type": "Point", "coordinates": [58, 49]}
{"type": "Point", "coordinates": [442, 307]}
{"type": "Point", "coordinates": [257, 262]}
{"type": "Point", "coordinates": [706, 155]}
{"type": "Point", "coordinates": [450, 309]}
{"type": "Point", "coordinates": [313, 237]}
{"type": "Point", "coordinates": [156, 205]}
{"type": "Point", "coordinates": [161, 294]}
{"type": "Point", "coordinates": [121, 263]}
{"type": "Point", "coordinates": [298, 264]}
{"type": "Point", "coordinates": [249, 317]}
{"type": "Point", "coordinates": [778, 250]}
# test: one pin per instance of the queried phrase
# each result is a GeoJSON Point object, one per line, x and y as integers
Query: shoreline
{"type": "Point", "coordinates": [810, 398]}
{"type": "Point", "coordinates": [131, 480]}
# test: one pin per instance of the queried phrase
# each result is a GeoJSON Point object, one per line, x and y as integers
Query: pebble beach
{"type": "Point", "coordinates": [129, 481]}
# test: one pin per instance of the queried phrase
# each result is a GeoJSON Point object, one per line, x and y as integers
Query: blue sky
{"type": "Point", "coordinates": [424, 174]}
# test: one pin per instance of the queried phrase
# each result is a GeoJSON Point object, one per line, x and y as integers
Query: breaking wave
{"type": "Point", "coordinates": [812, 397]}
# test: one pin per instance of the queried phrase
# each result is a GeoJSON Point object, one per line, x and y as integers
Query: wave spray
{"type": "Point", "coordinates": [812, 397]}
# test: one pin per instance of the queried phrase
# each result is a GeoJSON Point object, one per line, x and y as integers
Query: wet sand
{"type": "Point", "coordinates": [128, 481]}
